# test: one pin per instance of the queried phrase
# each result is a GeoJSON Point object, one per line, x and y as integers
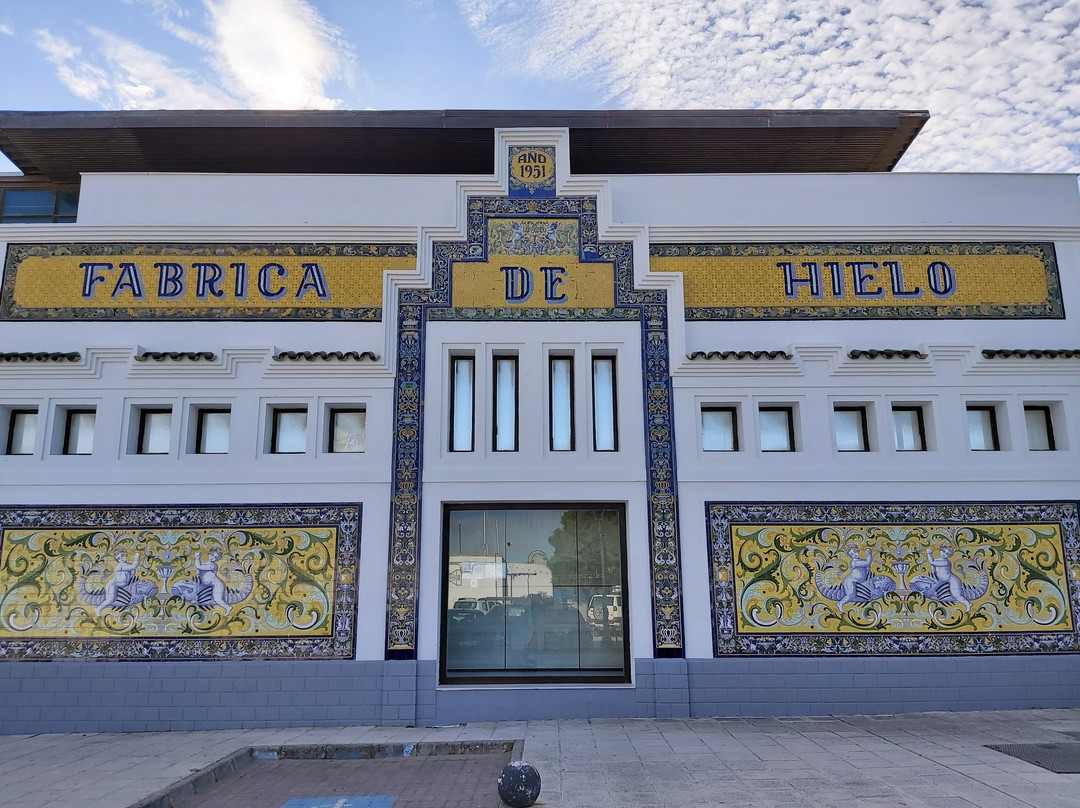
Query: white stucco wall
{"type": "Point", "coordinates": [334, 209]}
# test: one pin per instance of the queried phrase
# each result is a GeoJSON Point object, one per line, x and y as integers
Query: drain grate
{"type": "Point", "coordinates": [340, 802]}
{"type": "Point", "coordinates": [1062, 758]}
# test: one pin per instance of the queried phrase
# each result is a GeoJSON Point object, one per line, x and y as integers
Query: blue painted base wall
{"type": "Point", "coordinates": [42, 697]}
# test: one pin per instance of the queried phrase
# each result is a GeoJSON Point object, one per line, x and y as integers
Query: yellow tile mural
{"type": "Point", "coordinates": [263, 579]}
{"type": "Point", "coordinates": [778, 574]}
{"type": "Point", "coordinates": [533, 263]}
{"type": "Point", "coordinates": [751, 281]}
{"type": "Point", "coordinates": [156, 280]}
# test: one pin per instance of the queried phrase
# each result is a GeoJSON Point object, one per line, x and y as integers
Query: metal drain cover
{"type": "Point", "coordinates": [1063, 758]}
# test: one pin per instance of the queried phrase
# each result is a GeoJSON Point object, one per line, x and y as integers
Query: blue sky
{"type": "Point", "coordinates": [1001, 78]}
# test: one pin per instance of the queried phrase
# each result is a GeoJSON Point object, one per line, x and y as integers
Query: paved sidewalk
{"type": "Point", "coordinates": [921, 760]}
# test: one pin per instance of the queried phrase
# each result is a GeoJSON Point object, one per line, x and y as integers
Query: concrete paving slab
{"type": "Point", "coordinates": [928, 760]}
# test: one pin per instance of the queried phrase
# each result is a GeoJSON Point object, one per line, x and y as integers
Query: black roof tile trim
{"type": "Point", "coordinates": [40, 356]}
{"type": "Point", "coordinates": [886, 353]}
{"type": "Point", "coordinates": [1032, 353]}
{"type": "Point", "coordinates": [739, 355]}
{"type": "Point", "coordinates": [341, 356]}
{"type": "Point", "coordinates": [160, 356]}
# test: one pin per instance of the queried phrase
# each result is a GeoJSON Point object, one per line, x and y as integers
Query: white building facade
{"type": "Point", "coordinates": [288, 446]}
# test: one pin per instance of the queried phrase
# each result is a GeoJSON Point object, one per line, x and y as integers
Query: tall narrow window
{"type": "Point", "coordinates": [461, 403]}
{"type": "Point", "coordinates": [908, 425]}
{"type": "Point", "coordinates": [605, 411]}
{"type": "Point", "coordinates": [718, 429]}
{"type": "Point", "coordinates": [212, 435]}
{"type": "Point", "coordinates": [777, 429]}
{"type": "Point", "coordinates": [1040, 428]}
{"type": "Point", "coordinates": [982, 428]}
{"type": "Point", "coordinates": [155, 431]}
{"type": "Point", "coordinates": [289, 434]}
{"type": "Point", "coordinates": [505, 437]}
{"type": "Point", "coordinates": [79, 432]}
{"type": "Point", "coordinates": [561, 403]}
{"type": "Point", "coordinates": [22, 432]}
{"type": "Point", "coordinates": [850, 427]}
{"type": "Point", "coordinates": [348, 430]}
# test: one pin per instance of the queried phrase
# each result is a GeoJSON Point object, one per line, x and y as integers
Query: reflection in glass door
{"type": "Point", "coordinates": [534, 593]}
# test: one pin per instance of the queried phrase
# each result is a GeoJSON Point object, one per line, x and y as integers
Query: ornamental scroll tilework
{"type": "Point", "coordinates": [135, 281]}
{"type": "Point", "coordinates": [869, 578]}
{"type": "Point", "coordinates": [529, 235]}
{"type": "Point", "coordinates": [868, 281]}
{"type": "Point", "coordinates": [179, 582]}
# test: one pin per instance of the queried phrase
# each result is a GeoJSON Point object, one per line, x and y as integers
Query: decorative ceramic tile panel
{"type": "Point", "coordinates": [937, 578]}
{"type": "Point", "coordinates": [532, 172]}
{"type": "Point", "coordinates": [198, 281]}
{"type": "Point", "coordinates": [869, 281]}
{"type": "Point", "coordinates": [179, 582]}
{"type": "Point", "coordinates": [510, 244]}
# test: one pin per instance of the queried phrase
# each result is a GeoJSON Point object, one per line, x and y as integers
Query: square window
{"type": "Point", "coordinates": [534, 594]}
{"type": "Point", "coordinates": [22, 432]}
{"type": "Point", "coordinates": [908, 427]}
{"type": "Point", "coordinates": [289, 434]}
{"type": "Point", "coordinates": [79, 432]}
{"type": "Point", "coordinates": [155, 431]}
{"type": "Point", "coordinates": [718, 429]}
{"type": "Point", "coordinates": [1040, 428]}
{"type": "Point", "coordinates": [982, 428]}
{"type": "Point", "coordinates": [849, 425]}
{"type": "Point", "coordinates": [212, 431]}
{"type": "Point", "coordinates": [348, 430]}
{"type": "Point", "coordinates": [777, 429]}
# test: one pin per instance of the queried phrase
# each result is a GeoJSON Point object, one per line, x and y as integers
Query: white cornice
{"type": "Point", "coordinates": [773, 233]}
{"type": "Point", "coordinates": [407, 234]}
{"type": "Point", "coordinates": [39, 234]}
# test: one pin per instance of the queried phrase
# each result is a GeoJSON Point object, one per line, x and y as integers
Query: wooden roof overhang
{"type": "Point", "coordinates": [60, 146]}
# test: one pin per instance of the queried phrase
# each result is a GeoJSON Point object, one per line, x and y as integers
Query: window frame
{"type": "Point", "coordinates": [496, 361]}
{"type": "Point", "coordinates": [995, 438]}
{"type": "Point", "coordinates": [920, 422]}
{"type": "Point", "coordinates": [70, 414]}
{"type": "Point", "coordinates": [1048, 424]}
{"type": "Point", "coordinates": [54, 216]}
{"type": "Point", "coordinates": [494, 678]}
{"type": "Point", "coordinates": [455, 400]}
{"type": "Point", "coordinates": [570, 403]}
{"type": "Point", "coordinates": [332, 416]}
{"type": "Point", "coordinates": [790, 412]}
{"type": "Point", "coordinates": [275, 424]}
{"type": "Point", "coordinates": [864, 429]}
{"type": "Point", "coordinates": [734, 413]}
{"type": "Point", "coordinates": [145, 413]}
{"type": "Point", "coordinates": [200, 428]}
{"type": "Point", "coordinates": [612, 359]}
{"type": "Point", "coordinates": [13, 415]}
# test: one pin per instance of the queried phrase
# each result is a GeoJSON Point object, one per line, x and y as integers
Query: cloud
{"type": "Point", "coordinates": [6, 29]}
{"type": "Point", "coordinates": [84, 80]}
{"type": "Point", "coordinates": [143, 79]}
{"type": "Point", "coordinates": [1001, 78]}
{"type": "Point", "coordinates": [263, 54]}
{"type": "Point", "coordinates": [277, 53]}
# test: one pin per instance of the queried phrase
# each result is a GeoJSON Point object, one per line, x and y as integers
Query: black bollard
{"type": "Point", "coordinates": [519, 784]}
